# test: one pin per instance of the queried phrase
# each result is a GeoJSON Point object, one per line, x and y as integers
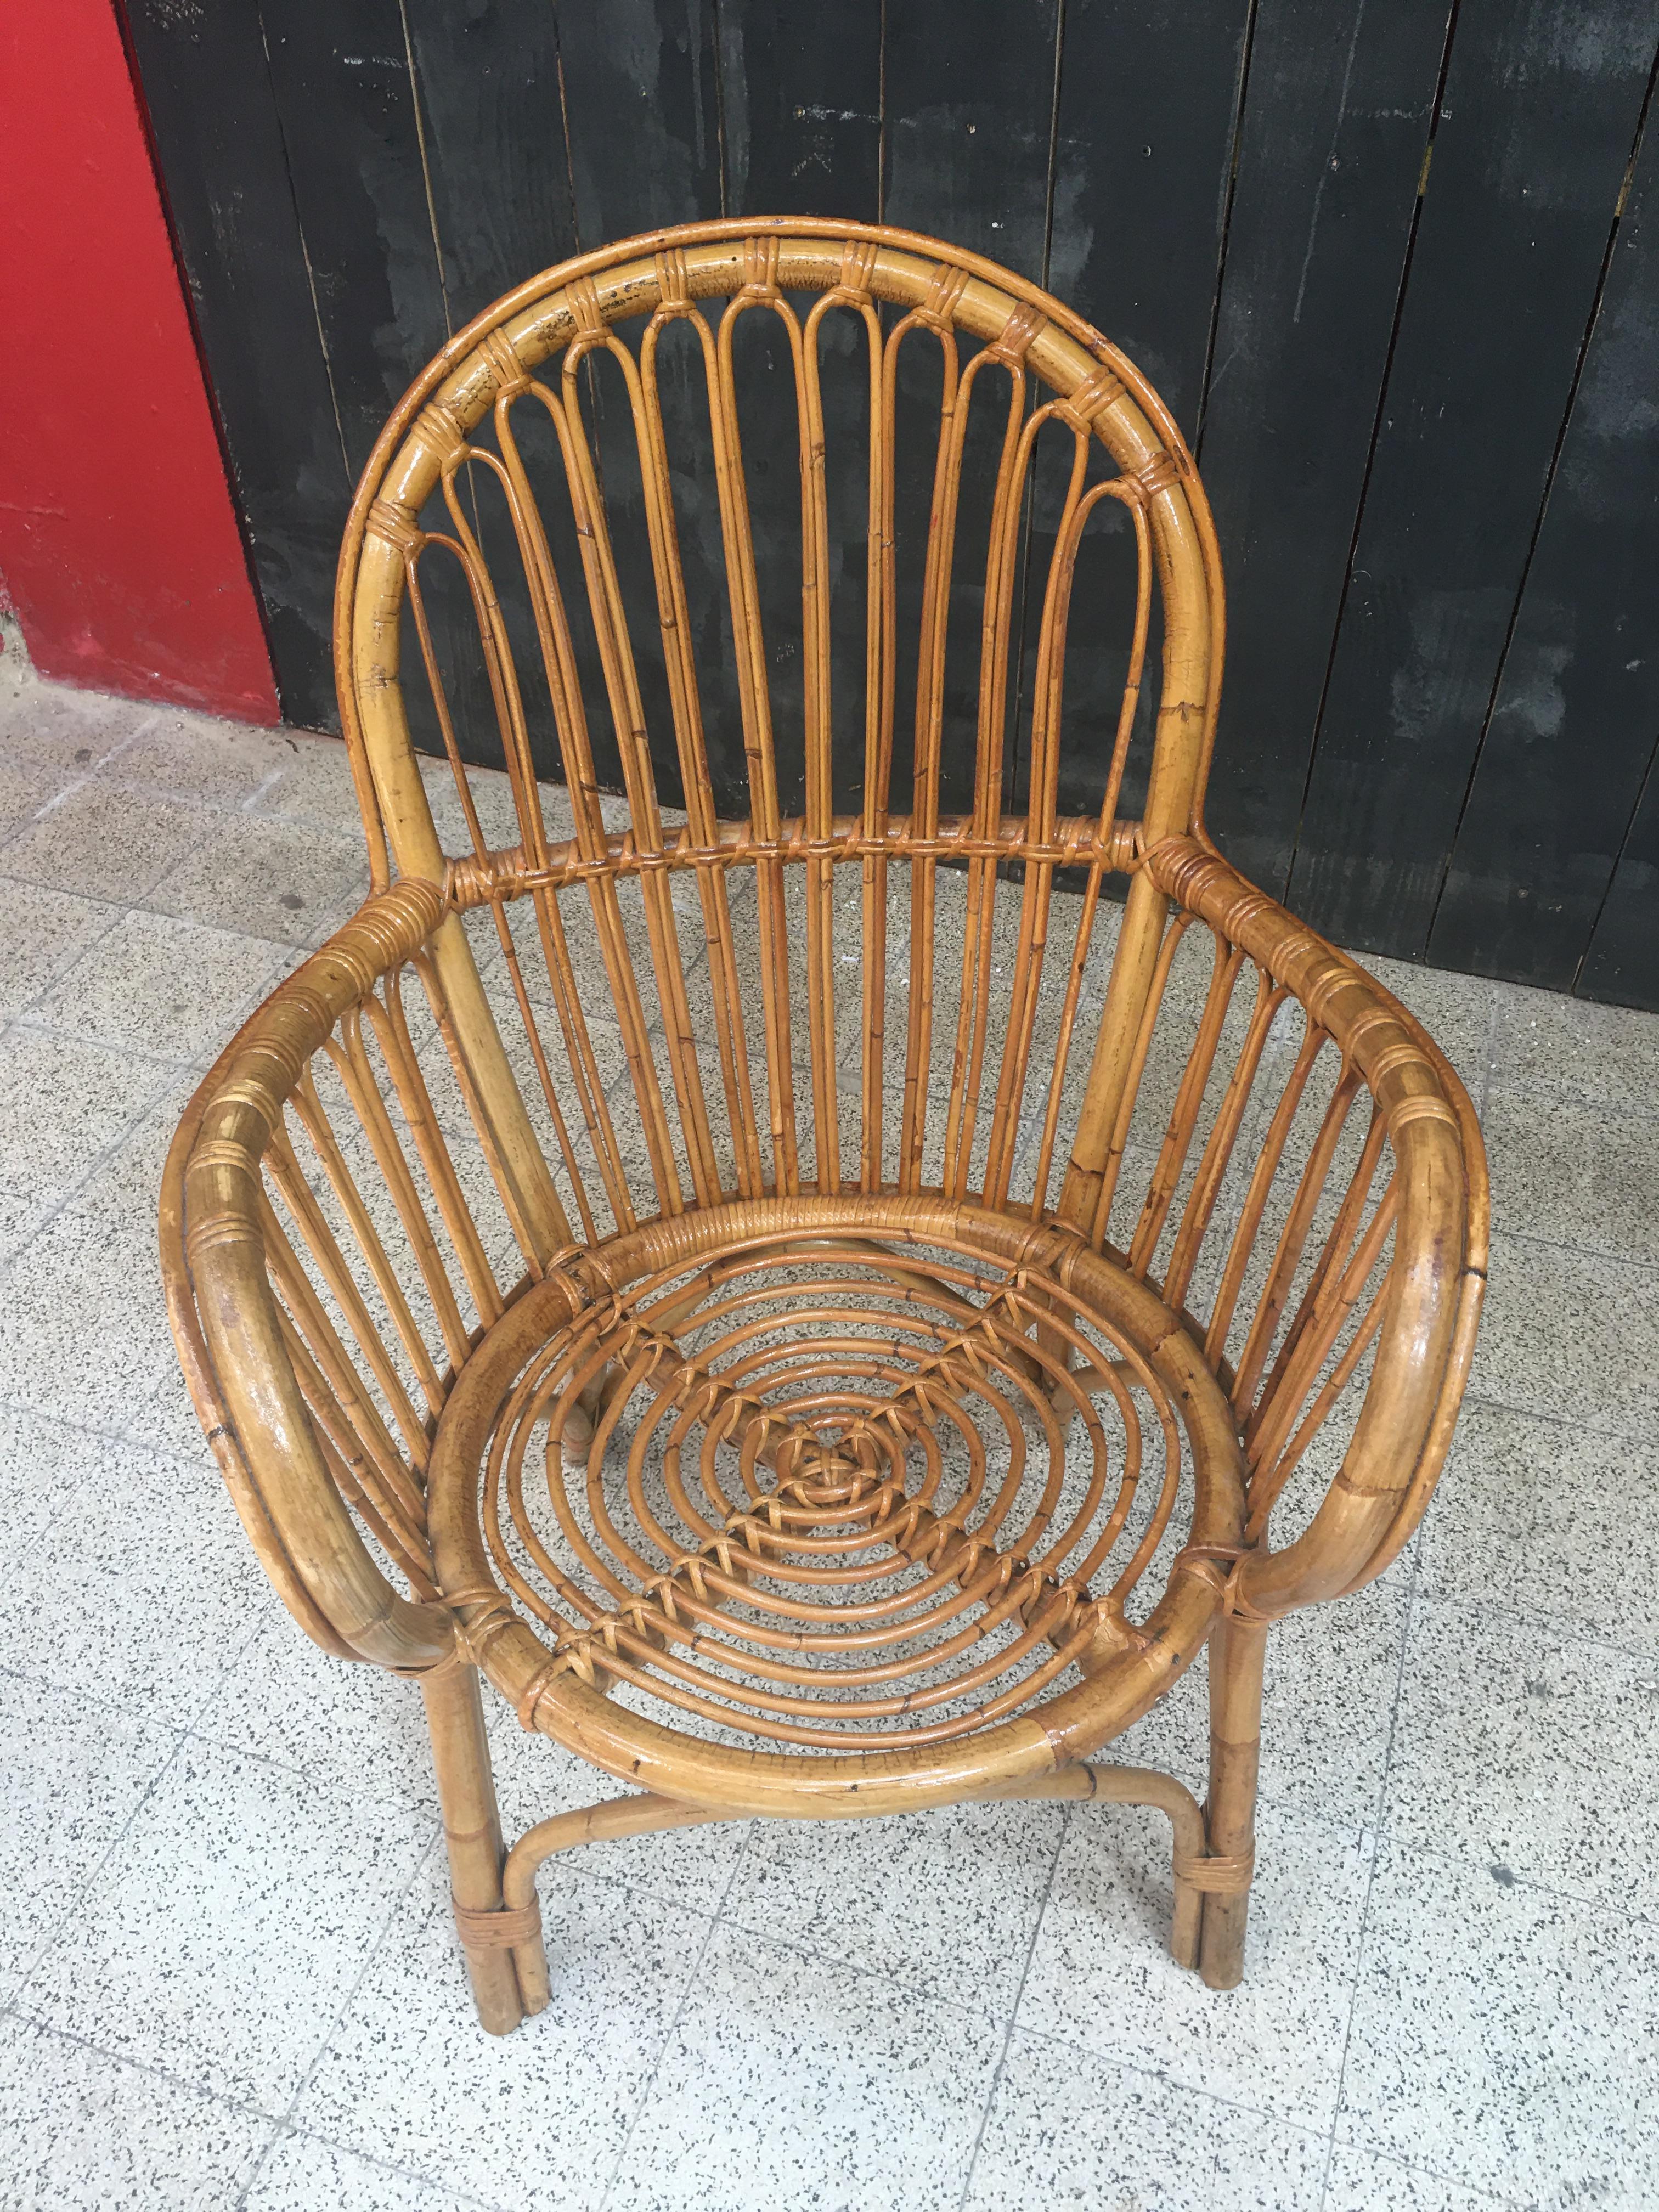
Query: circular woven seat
{"type": "Point", "coordinates": [869, 1478]}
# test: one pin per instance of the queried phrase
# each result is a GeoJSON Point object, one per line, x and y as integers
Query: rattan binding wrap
{"type": "Point", "coordinates": [828, 1297]}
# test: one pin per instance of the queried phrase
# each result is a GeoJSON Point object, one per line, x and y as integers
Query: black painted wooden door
{"type": "Point", "coordinates": [1395, 269]}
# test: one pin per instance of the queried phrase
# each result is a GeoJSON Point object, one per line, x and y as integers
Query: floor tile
{"type": "Point", "coordinates": [171, 988]}
{"type": "Point", "coordinates": [1577, 1049]}
{"type": "Point", "coordinates": [142, 1590]}
{"type": "Point", "coordinates": [347, 1726]}
{"type": "Point", "coordinates": [84, 1331]}
{"type": "Point", "coordinates": [125, 1185]}
{"type": "Point", "coordinates": [315, 783]}
{"type": "Point", "coordinates": [1498, 2016]}
{"type": "Point", "coordinates": [224, 1938]}
{"type": "Point", "coordinates": [1066, 2130]}
{"type": "Point", "coordinates": [337, 1723]}
{"type": "Point", "coordinates": [20, 1215]}
{"type": "Point", "coordinates": [56, 725]}
{"type": "Point", "coordinates": [1361, 2181]}
{"type": "Point", "coordinates": [791, 2082]}
{"type": "Point", "coordinates": [1499, 2036]}
{"type": "Point", "coordinates": [25, 787]}
{"type": "Point", "coordinates": [947, 1900]}
{"type": "Point", "coordinates": [200, 759]}
{"type": "Point", "coordinates": [42, 932]}
{"type": "Point", "coordinates": [530, 2120]}
{"type": "Point", "coordinates": [1571, 1334]}
{"type": "Point", "coordinates": [286, 880]}
{"type": "Point", "coordinates": [1571, 1173]}
{"type": "Point", "coordinates": [1462, 1013]}
{"type": "Point", "coordinates": [302, 2173]}
{"type": "Point", "coordinates": [1551, 1519]}
{"type": "Point", "coordinates": [43, 1463]}
{"type": "Point", "coordinates": [75, 1771]}
{"type": "Point", "coordinates": [1102, 1976]}
{"type": "Point", "coordinates": [83, 2131]}
{"type": "Point", "coordinates": [105, 842]}
{"type": "Point", "coordinates": [1521, 1749]}
{"type": "Point", "coordinates": [63, 1102]}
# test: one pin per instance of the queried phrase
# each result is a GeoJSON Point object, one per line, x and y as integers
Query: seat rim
{"type": "Point", "coordinates": [549, 1693]}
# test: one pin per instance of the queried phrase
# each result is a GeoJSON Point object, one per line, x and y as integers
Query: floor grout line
{"type": "Point", "coordinates": [1376, 1842]}
{"type": "Point", "coordinates": [371, 1954]}
{"type": "Point", "coordinates": [1013, 2009]}
{"type": "Point", "coordinates": [644, 2097]}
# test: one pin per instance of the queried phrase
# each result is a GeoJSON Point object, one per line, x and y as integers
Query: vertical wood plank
{"type": "Point", "coordinates": [340, 68]}
{"type": "Point", "coordinates": [214, 116]}
{"type": "Point", "coordinates": [1622, 962]}
{"type": "Point", "coordinates": [800, 100]}
{"type": "Point", "coordinates": [642, 110]}
{"type": "Point", "coordinates": [970, 99]}
{"type": "Point", "coordinates": [1577, 708]}
{"type": "Point", "coordinates": [488, 80]}
{"type": "Point", "coordinates": [1140, 201]}
{"type": "Point", "coordinates": [1536, 126]}
{"type": "Point", "coordinates": [345, 92]}
{"type": "Point", "coordinates": [801, 103]}
{"type": "Point", "coordinates": [1335, 126]}
{"type": "Point", "coordinates": [1140, 184]}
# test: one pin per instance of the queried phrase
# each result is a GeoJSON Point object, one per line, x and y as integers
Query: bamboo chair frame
{"type": "Point", "coordinates": [774, 1420]}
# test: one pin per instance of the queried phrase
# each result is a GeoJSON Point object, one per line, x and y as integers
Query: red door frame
{"type": "Point", "coordinates": [119, 547]}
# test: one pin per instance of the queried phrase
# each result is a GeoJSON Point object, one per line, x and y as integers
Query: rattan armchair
{"type": "Point", "coordinates": [830, 1278]}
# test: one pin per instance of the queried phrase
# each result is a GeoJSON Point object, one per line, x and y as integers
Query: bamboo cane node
{"type": "Point", "coordinates": [673, 286]}
{"type": "Point", "coordinates": [939, 309]}
{"type": "Point", "coordinates": [496, 1927]}
{"type": "Point", "coordinates": [1228, 1874]}
{"type": "Point", "coordinates": [394, 526]}
{"type": "Point", "coordinates": [1422, 1106]}
{"type": "Point", "coordinates": [224, 1231]}
{"type": "Point", "coordinates": [508, 372]}
{"type": "Point", "coordinates": [1093, 394]}
{"type": "Point", "coordinates": [442, 435]}
{"type": "Point", "coordinates": [1014, 341]}
{"type": "Point", "coordinates": [1161, 473]}
{"type": "Point", "coordinates": [1405, 1057]}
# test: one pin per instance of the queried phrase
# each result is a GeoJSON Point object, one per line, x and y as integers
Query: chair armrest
{"type": "Point", "coordinates": [1430, 1297]}
{"type": "Point", "coordinates": [225, 1315]}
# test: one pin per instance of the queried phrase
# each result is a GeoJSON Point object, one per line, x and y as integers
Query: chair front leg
{"type": "Point", "coordinates": [1236, 1651]}
{"type": "Point", "coordinates": [473, 1831]}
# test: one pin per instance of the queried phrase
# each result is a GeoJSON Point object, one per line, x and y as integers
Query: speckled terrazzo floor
{"type": "Point", "coordinates": [227, 1975]}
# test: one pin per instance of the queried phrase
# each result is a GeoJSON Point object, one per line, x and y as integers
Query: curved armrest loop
{"type": "Point", "coordinates": [1425, 1334]}
{"type": "Point", "coordinates": [225, 1315]}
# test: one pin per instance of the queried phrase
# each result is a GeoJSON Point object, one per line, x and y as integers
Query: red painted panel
{"type": "Point", "coordinates": [118, 542]}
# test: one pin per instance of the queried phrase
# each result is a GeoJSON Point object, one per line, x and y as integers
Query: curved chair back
{"type": "Point", "coordinates": [810, 602]}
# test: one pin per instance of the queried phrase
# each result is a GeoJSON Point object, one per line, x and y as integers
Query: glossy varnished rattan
{"type": "Point", "coordinates": [852, 1358]}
